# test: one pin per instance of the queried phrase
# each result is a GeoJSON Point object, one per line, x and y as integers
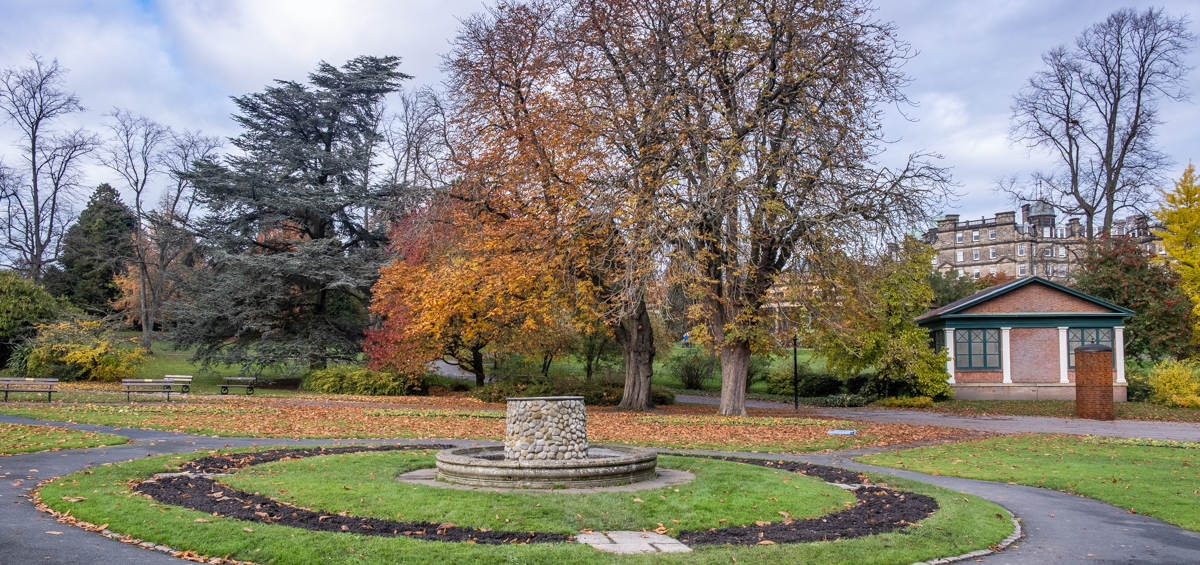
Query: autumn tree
{"type": "Point", "coordinates": [1180, 217]}
{"type": "Point", "coordinates": [1121, 272]}
{"type": "Point", "coordinates": [292, 258]}
{"type": "Point", "coordinates": [1094, 109]}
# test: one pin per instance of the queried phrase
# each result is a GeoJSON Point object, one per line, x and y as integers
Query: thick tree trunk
{"type": "Point", "coordinates": [477, 365]}
{"type": "Point", "coordinates": [636, 338]}
{"type": "Point", "coordinates": [735, 362]}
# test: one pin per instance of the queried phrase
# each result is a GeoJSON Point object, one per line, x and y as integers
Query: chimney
{"type": "Point", "coordinates": [1143, 225]}
{"type": "Point", "coordinates": [1006, 218]}
{"type": "Point", "coordinates": [1024, 213]}
{"type": "Point", "coordinates": [1074, 229]}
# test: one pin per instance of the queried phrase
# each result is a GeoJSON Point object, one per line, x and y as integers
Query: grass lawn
{"type": "Point", "coordinates": [1163, 482]}
{"type": "Point", "coordinates": [1060, 409]}
{"type": "Point", "coordinates": [20, 438]}
{"type": "Point", "coordinates": [684, 427]}
{"type": "Point", "coordinates": [102, 496]}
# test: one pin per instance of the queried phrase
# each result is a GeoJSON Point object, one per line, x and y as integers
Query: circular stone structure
{"type": "Point", "coordinates": [545, 446]}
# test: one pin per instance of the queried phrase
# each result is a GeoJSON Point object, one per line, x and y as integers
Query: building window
{"type": "Point", "coordinates": [958, 237]}
{"type": "Point", "coordinates": [1049, 270]}
{"type": "Point", "coordinates": [933, 261]}
{"type": "Point", "coordinates": [1062, 270]}
{"type": "Point", "coordinates": [1048, 251]}
{"type": "Point", "coordinates": [1046, 232]}
{"type": "Point", "coordinates": [976, 273]}
{"type": "Point", "coordinates": [1062, 251]}
{"type": "Point", "coordinates": [961, 274]}
{"type": "Point", "coordinates": [977, 349]}
{"type": "Point", "coordinates": [975, 235]}
{"type": "Point", "coordinates": [1062, 233]}
{"type": "Point", "coordinates": [975, 254]}
{"type": "Point", "coordinates": [992, 271]}
{"type": "Point", "coordinates": [991, 253]}
{"type": "Point", "coordinates": [1021, 270]}
{"type": "Point", "coordinates": [958, 256]}
{"type": "Point", "coordinates": [991, 234]}
{"type": "Point", "coordinates": [1020, 250]}
{"type": "Point", "coordinates": [1081, 336]}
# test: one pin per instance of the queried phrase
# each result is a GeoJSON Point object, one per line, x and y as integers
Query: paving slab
{"type": "Point", "coordinates": [1177, 431]}
{"type": "Point", "coordinates": [625, 542]}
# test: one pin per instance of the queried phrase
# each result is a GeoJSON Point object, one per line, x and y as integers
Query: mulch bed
{"type": "Point", "coordinates": [878, 510]}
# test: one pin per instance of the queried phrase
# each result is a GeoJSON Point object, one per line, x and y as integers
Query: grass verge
{"type": "Point", "coordinates": [962, 524]}
{"type": "Point", "coordinates": [1163, 482]}
{"type": "Point", "coordinates": [21, 438]}
{"type": "Point", "coordinates": [1058, 409]}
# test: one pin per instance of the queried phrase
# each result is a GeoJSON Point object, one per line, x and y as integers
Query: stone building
{"type": "Point", "coordinates": [1039, 244]}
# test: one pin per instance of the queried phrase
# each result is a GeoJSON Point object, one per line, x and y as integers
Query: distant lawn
{"type": "Point", "coordinates": [1162, 482]}
{"type": "Point", "coordinates": [1060, 409]}
{"type": "Point", "coordinates": [20, 438]}
{"type": "Point", "coordinates": [101, 496]}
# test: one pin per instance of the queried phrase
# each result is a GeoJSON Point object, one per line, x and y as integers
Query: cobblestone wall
{"type": "Point", "coordinates": [553, 427]}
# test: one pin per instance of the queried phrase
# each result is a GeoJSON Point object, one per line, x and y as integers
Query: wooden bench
{"type": "Point", "coordinates": [29, 385]}
{"type": "Point", "coordinates": [148, 385]}
{"type": "Point", "coordinates": [184, 382]}
{"type": "Point", "coordinates": [247, 383]}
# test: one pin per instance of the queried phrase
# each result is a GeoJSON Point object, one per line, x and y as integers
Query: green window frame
{"type": "Point", "coordinates": [1077, 337]}
{"type": "Point", "coordinates": [977, 349]}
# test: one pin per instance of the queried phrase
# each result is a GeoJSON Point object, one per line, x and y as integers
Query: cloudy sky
{"type": "Point", "coordinates": [179, 61]}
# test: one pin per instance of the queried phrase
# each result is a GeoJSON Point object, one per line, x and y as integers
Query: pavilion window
{"type": "Point", "coordinates": [977, 349]}
{"type": "Point", "coordinates": [1077, 337]}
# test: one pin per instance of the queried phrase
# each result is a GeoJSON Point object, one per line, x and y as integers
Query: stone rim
{"type": "Point", "coordinates": [463, 466]}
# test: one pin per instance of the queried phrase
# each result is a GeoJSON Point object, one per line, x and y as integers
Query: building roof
{"type": "Point", "coordinates": [960, 305]}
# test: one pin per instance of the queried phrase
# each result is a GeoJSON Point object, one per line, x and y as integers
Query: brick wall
{"type": "Point", "coordinates": [1034, 298]}
{"type": "Point", "coordinates": [961, 376]}
{"type": "Point", "coordinates": [1034, 354]}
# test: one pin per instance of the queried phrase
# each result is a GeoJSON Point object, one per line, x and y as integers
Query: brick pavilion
{"type": "Point", "coordinates": [1016, 341]}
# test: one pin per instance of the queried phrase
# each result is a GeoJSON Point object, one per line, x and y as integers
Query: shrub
{"type": "Point", "coordinates": [349, 379]}
{"type": "Point", "coordinates": [757, 370]}
{"type": "Point", "coordinates": [1175, 383]}
{"type": "Point", "coordinates": [691, 368]}
{"type": "Point", "coordinates": [846, 400]}
{"type": "Point", "coordinates": [811, 384]}
{"type": "Point", "coordinates": [77, 349]}
{"type": "Point", "coordinates": [906, 402]}
{"type": "Point", "coordinates": [595, 392]}
{"type": "Point", "coordinates": [1137, 376]}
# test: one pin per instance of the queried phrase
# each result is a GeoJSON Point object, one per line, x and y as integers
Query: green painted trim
{"type": "Point", "coordinates": [1117, 310]}
{"type": "Point", "coordinates": [1009, 321]}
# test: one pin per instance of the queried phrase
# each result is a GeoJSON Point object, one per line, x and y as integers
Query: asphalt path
{"type": "Point", "coordinates": [1178, 431]}
{"type": "Point", "coordinates": [1059, 528]}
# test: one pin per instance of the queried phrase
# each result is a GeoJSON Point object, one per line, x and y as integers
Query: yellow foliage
{"type": "Point", "coordinates": [80, 349]}
{"type": "Point", "coordinates": [1180, 216]}
{"type": "Point", "coordinates": [1176, 383]}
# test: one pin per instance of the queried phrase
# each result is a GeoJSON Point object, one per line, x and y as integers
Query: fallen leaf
{"type": "Point", "coordinates": [203, 520]}
{"type": "Point", "coordinates": [638, 500]}
{"type": "Point", "coordinates": [74, 498]}
{"type": "Point", "coordinates": [55, 533]}
{"type": "Point", "coordinates": [760, 523]}
{"type": "Point", "coordinates": [766, 542]}
{"type": "Point", "coordinates": [247, 530]}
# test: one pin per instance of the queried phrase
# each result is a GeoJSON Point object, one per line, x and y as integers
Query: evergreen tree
{"type": "Point", "coordinates": [949, 286]}
{"type": "Point", "coordinates": [23, 304]}
{"type": "Point", "coordinates": [95, 250]}
{"type": "Point", "coordinates": [292, 256]}
{"type": "Point", "coordinates": [1180, 216]}
{"type": "Point", "coordinates": [1120, 272]}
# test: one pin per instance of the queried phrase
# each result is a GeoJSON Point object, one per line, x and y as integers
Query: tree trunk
{"type": "Point", "coordinates": [636, 338]}
{"type": "Point", "coordinates": [148, 311]}
{"type": "Point", "coordinates": [477, 365]}
{"type": "Point", "coordinates": [735, 362]}
{"type": "Point", "coordinates": [546, 360]}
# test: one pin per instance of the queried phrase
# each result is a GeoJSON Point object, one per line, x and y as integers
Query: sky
{"type": "Point", "coordinates": [178, 62]}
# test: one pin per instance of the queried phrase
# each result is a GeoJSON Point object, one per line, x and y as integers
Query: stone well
{"type": "Point", "coordinates": [545, 446]}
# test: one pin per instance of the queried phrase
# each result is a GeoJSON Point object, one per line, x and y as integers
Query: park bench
{"type": "Point", "coordinates": [29, 385]}
{"type": "Point", "coordinates": [184, 382]}
{"type": "Point", "coordinates": [148, 385]}
{"type": "Point", "coordinates": [247, 383]}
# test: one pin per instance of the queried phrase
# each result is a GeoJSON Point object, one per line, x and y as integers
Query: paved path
{"type": "Point", "coordinates": [1178, 431]}
{"type": "Point", "coordinates": [1080, 526]}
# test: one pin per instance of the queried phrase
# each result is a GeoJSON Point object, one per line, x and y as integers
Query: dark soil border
{"type": "Point", "coordinates": [878, 510]}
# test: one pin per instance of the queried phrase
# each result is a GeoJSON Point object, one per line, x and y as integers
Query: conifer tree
{"type": "Point", "coordinates": [293, 254]}
{"type": "Point", "coordinates": [95, 250]}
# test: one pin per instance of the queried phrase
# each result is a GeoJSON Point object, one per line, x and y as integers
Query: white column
{"type": "Point", "coordinates": [1063, 358]}
{"type": "Point", "coordinates": [1119, 351]}
{"type": "Point", "coordinates": [1005, 355]}
{"type": "Point", "coordinates": [950, 350]}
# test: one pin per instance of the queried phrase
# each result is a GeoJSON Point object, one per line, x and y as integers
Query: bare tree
{"type": "Point", "coordinates": [132, 153]}
{"type": "Point", "coordinates": [1094, 108]}
{"type": "Point", "coordinates": [39, 208]}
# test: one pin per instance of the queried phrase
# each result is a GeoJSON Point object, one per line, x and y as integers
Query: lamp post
{"type": "Point", "coordinates": [795, 375]}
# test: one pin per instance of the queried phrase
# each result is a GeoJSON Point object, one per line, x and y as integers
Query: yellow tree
{"type": "Point", "coordinates": [1180, 217]}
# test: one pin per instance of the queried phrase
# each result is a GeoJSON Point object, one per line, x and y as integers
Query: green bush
{"type": "Point", "coordinates": [595, 392]}
{"type": "Point", "coordinates": [846, 400]}
{"type": "Point", "coordinates": [1137, 375]}
{"type": "Point", "coordinates": [779, 381]}
{"type": "Point", "coordinates": [348, 379]}
{"type": "Point", "coordinates": [692, 368]}
{"type": "Point", "coordinates": [906, 402]}
{"type": "Point", "coordinates": [757, 370]}
{"type": "Point", "coordinates": [1175, 383]}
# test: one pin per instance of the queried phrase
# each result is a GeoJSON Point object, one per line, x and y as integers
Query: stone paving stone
{"type": "Point", "coordinates": [632, 542]}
